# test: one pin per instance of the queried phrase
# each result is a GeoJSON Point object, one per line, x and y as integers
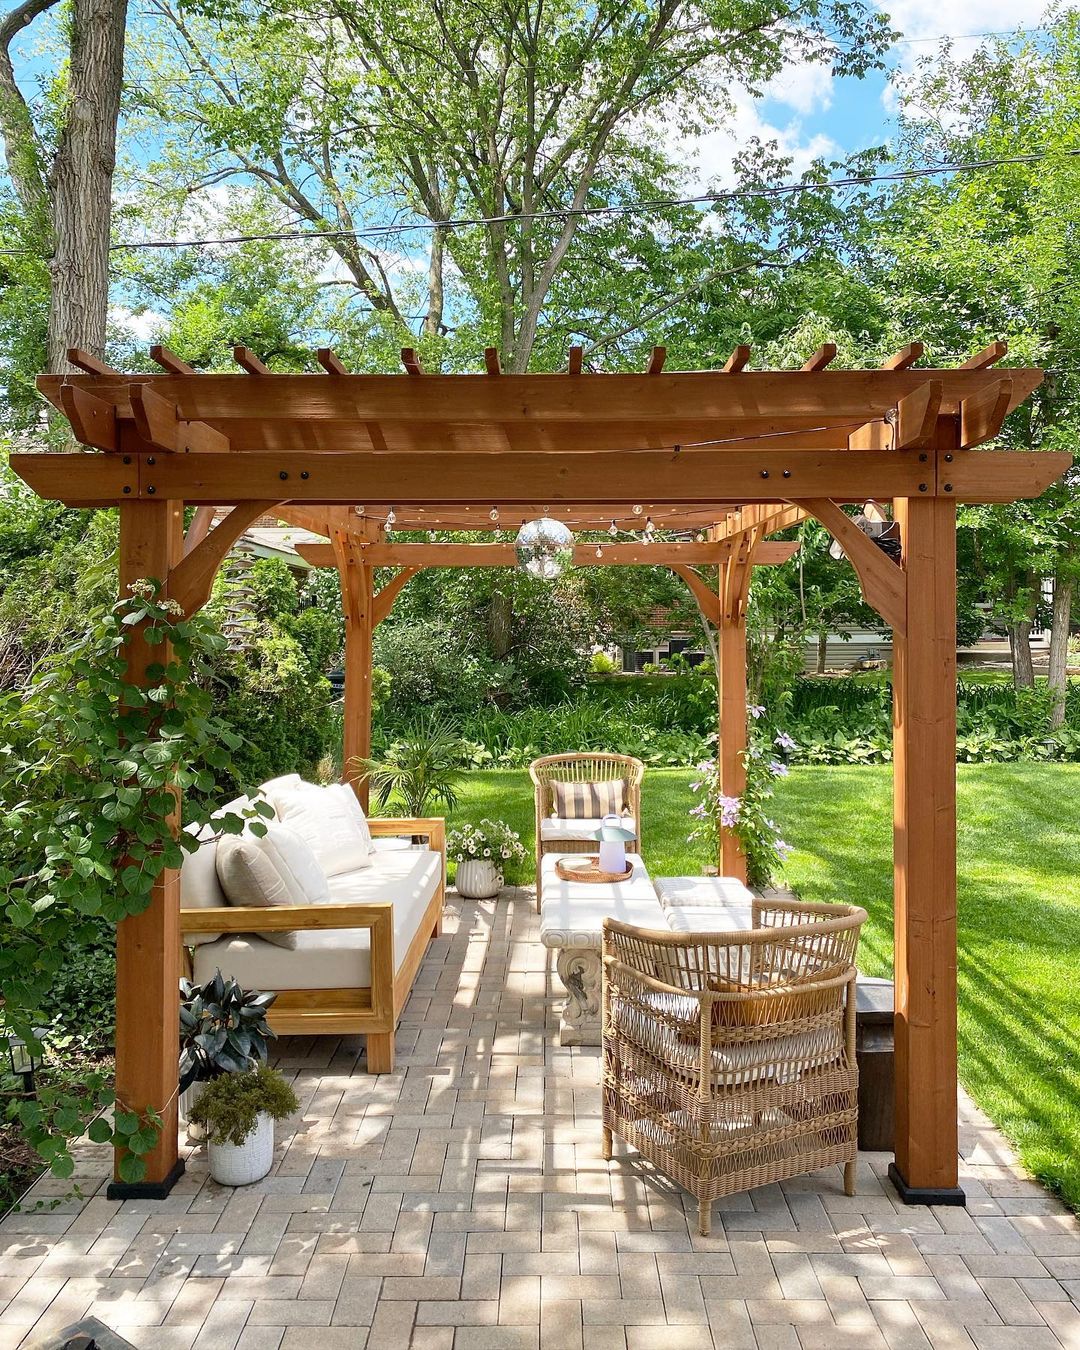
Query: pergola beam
{"type": "Point", "coordinates": [598, 554]}
{"type": "Point", "coordinates": [705, 477]}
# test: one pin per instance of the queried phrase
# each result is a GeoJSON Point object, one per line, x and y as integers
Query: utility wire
{"type": "Point", "coordinates": [611, 209]}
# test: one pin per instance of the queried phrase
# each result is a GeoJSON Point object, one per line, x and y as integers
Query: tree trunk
{"type": "Point", "coordinates": [433, 319]}
{"type": "Point", "coordinates": [822, 652]}
{"type": "Point", "coordinates": [500, 617]}
{"type": "Point", "coordinates": [82, 181]}
{"type": "Point", "coordinates": [1020, 647]}
{"type": "Point", "coordinates": [1059, 647]}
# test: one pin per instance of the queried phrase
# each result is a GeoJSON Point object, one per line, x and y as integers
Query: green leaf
{"type": "Point", "coordinates": [100, 1131]}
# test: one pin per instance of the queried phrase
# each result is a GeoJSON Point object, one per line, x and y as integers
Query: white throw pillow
{"type": "Point", "coordinates": [277, 868]}
{"type": "Point", "coordinates": [329, 819]}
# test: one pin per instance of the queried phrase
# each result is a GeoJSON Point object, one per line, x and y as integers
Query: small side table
{"type": "Point", "coordinates": [874, 1054]}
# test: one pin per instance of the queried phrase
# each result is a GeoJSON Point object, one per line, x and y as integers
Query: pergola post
{"type": "Point", "coordinates": [357, 598]}
{"type": "Point", "coordinates": [148, 944]}
{"type": "Point", "coordinates": [731, 736]}
{"type": "Point", "coordinates": [924, 850]}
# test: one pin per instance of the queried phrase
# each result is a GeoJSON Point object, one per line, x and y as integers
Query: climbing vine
{"type": "Point", "coordinates": [92, 769]}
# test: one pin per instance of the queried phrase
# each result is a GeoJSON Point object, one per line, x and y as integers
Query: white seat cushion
{"type": "Point", "coordinates": [709, 918]}
{"type": "Point", "coordinates": [555, 827]}
{"type": "Point", "coordinates": [712, 892]}
{"type": "Point", "coordinates": [334, 958]}
{"type": "Point", "coordinates": [328, 818]}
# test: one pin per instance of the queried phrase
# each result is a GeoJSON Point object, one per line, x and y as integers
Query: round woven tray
{"type": "Point", "coordinates": [588, 869]}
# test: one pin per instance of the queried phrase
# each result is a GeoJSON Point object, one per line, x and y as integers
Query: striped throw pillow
{"type": "Point", "coordinates": [589, 801]}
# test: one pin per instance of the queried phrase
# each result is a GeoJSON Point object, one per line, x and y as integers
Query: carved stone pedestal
{"type": "Point", "coordinates": [580, 971]}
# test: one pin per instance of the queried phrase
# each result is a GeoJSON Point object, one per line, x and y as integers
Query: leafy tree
{"type": "Point", "coordinates": [358, 116]}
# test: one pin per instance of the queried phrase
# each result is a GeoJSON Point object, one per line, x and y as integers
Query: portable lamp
{"type": "Point", "coordinates": [613, 839]}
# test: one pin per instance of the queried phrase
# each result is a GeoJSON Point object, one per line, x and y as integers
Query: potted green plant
{"type": "Point", "coordinates": [237, 1111]}
{"type": "Point", "coordinates": [223, 1029]}
{"type": "Point", "coordinates": [482, 852]}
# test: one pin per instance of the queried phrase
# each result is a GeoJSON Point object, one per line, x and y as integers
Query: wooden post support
{"type": "Point", "coordinates": [731, 701]}
{"type": "Point", "coordinates": [924, 851]}
{"type": "Point", "coordinates": [357, 598]}
{"type": "Point", "coordinates": [148, 944]}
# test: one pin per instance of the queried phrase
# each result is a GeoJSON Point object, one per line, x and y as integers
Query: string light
{"type": "Point", "coordinates": [599, 551]}
{"type": "Point", "coordinates": [493, 515]}
{"type": "Point", "coordinates": [390, 521]}
{"type": "Point", "coordinates": [638, 510]}
{"type": "Point", "coordinates": [613, 530]}
{"type": "Point", "coordinates": [431, 536]}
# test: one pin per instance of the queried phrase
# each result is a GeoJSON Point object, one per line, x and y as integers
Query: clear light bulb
{"type": "Point", "coordinates": [391, 519]}
{"type": "Point", "coordinates": [638, 510]}
{"type": "Point", "coordinates": [493, 514]}
{"type": "Point", "coordinates": [613, 530]}
{"type": "Point", "coordinates": [431, 535]}
{"type": "Point", "coordinates": [599, 551]}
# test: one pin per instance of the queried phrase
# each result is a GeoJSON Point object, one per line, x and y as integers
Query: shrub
{"type": "Point", "coordinates": [228, 1108]}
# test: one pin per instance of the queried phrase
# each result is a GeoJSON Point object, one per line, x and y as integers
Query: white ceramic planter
{"type": "Point", "coordinates": [240, 1165]}
{"type": "Point", "coordinates": [478, 879]}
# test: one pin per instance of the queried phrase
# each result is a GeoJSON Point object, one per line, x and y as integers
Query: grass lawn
{"type": "Point", "coordinates": [1019, 927]}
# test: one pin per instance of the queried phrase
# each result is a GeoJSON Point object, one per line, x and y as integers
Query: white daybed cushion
{"type": "Point", "coordinates": [276, 868]}
{"type": "Point", "coordinates": [329, 818]}
{"type": "Point", "coordinates": [334, 958]}
{"type": "Point", "coordinates": [199, 884]}
{"type": "Point", "coordinates": [555, 827]}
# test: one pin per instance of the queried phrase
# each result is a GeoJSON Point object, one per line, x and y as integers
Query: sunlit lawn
{"type": "Point", "coordinates": [1019, 959]}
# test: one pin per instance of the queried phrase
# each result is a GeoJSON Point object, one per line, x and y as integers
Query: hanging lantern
{"type": "Point", "coordinates": [545, 548]}
{"type": "Point", "coordinates": [876, 525]}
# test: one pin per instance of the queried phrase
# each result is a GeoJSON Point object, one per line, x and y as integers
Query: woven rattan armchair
{"type": "Point", "coordinates": [584, 767]}
{"type": "Point", "coordinates": [729, 1058]}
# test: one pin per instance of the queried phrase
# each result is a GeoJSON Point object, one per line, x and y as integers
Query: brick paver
{"type": "Point", "coordinates": [461, 1202]}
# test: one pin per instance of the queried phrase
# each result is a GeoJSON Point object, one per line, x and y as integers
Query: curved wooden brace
{"type": "Point", "coordinates": [736, 575]}
{"type": "Point", "coordinates": [199, 527]}
{"type": "Point", "coordinates": [883, 582]}
{"type": "Point", "coordinates": [191, 579]}
{"type": "Point", "coordinates": [384, 599]}
{"type": "Point", "coordinates": [707, 599]}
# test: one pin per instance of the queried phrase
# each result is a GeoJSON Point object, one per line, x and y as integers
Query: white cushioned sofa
{"type": "Point", "coordinates": [330, 910]}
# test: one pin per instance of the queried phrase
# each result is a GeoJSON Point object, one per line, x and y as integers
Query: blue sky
{"type": "Point", "coordinates": [810, 113]}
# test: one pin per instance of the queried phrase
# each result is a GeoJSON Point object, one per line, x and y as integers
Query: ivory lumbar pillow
{"type": "Point", "coordinates": [328, 819]}
{"type": "Point", "coordinates": [277, 868]}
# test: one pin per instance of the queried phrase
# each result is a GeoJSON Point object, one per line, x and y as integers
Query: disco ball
{"type": "Point", "coordinates": [545, 548]}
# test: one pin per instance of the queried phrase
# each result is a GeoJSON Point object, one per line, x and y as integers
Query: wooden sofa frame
{"type": "Point", "coordinates": [373, 1011]}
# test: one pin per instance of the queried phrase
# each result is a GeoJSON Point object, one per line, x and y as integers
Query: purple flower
{"type": "Point", "coordinates": [778, 769]}
{"type": "Point", "coordinates": [698, 810]}
{"type": "Point", "coordinates": [755, 709]}
{"type": "Point", "coordinates": [695, 787]}
{"type": "Point", "coordinates": [729, 810]}
{"type": "Point", "coordinates": [784, 741]}
{"type": "Point", "coordinates": [782, 849]}
{"type": "Point", "coordinates": [706, 766]}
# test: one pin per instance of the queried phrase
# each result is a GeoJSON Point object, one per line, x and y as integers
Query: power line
{"type": "Point", "coordinates": [588, 212]}
{"type": "Point", "coordinates": [964, 37]}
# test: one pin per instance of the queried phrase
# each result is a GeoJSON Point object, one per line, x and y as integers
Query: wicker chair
{"type": "Point", "coordinates": [586, 767]}
{"type": "Point", "coordinates": [729, 1058]}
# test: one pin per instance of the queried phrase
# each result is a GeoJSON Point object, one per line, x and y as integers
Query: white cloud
{"type": "Point", "coordinates": [143, 326]}
{"type": "Point", "coordinates": [709, 157]}
{"type": "Point", "coordinates": [805, 86]}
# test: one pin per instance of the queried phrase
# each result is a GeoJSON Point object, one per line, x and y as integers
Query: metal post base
{"type": "Point", "coordinates": [925, 1195]}
{"type": "Point", "coordinates": [146, 1190]}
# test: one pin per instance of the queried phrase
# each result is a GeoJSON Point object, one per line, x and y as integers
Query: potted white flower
{"type": "Point", "coordinates": [482, 853]}
{"type": "Point", "coordinates": [238, 1111]}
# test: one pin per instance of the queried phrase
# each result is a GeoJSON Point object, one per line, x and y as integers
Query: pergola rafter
{"type": "Point", "coordinates": [731, 456]}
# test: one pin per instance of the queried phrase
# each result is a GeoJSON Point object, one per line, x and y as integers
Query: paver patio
{"type": "Point", "coordinates": [462, 1201]}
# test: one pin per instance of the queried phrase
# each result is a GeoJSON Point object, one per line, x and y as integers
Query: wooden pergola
{"type": "Point", "coordinates": [730, 455]}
